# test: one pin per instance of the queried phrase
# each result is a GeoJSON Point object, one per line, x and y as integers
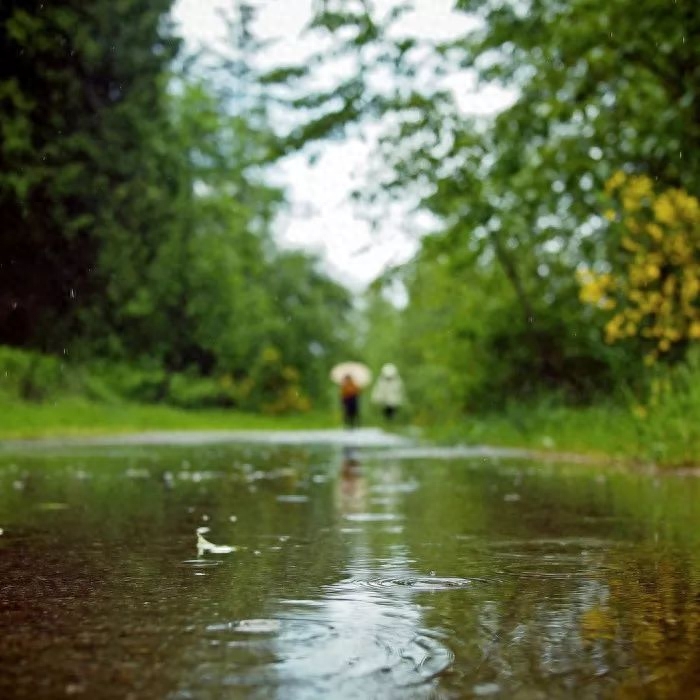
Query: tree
{"type": "Point", "coordinates": [597, 87]}
{"type": "Point", "coordinates": [252, 309]}
{"type": "Point", "coordinates": [89, 181]}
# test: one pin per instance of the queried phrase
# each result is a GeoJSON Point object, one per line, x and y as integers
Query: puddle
{"type": "Point", "coordinates": [210, 569]}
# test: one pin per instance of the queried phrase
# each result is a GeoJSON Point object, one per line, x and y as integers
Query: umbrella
{"type": "Point", "coordinates": [360, 373]}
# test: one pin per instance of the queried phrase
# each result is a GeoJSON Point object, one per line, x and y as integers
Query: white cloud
{"type": "Point", "coordinates": [321, 216]}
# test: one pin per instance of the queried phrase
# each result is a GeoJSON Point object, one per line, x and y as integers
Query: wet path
{"type": "Point", "coordinates": [318, 565]}
{"type": "Point", "coordinates": [364, 437]}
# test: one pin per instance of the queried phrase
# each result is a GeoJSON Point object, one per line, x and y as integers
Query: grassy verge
{"type": "Point", "coordinates": [79, 416]}
{"type": "Point", "coordinates": [596, 431]}
{"type": "Point", "coordinates": [608, 432]}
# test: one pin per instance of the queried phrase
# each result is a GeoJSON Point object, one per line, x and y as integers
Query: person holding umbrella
{"type": "Point", "coordinates": [351, 377]}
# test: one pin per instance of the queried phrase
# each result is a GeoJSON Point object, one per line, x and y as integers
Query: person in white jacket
{"type": "Point", "coordinates": [388, 391]}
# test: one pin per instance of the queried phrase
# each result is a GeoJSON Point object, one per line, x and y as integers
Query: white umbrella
{"type": "Point", "coordinates": [360, 374]}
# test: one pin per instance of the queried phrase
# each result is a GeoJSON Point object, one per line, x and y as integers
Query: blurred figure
{"type": "Point", "coordinates": [388, 391]}
{"type": "Point", "coordinates": [350, 401]}
{"type": "Point", "coordinates": [352, 485]}
{"type": "Point", "coordinates": [351, 377]}
{"type": "Point", "coordinates": [351, 460]}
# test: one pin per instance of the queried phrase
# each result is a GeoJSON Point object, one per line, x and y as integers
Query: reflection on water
{"type": "Point", "coordinates": [244, 571]}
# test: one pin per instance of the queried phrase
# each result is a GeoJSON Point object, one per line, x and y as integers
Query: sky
{"type": "Point", "coordinates": [321, 217]}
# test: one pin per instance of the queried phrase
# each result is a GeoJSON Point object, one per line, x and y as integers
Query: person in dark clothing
{"type": "Point", "coordinates": [350, 401]}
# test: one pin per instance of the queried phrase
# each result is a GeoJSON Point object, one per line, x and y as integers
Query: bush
{"type": "Point", "coordinates": [200, 392]}
{"type": "Point", "coordinates": [271, 387]}
{"type": "Point", "coordinates": [274, 387]}
{"type": "Point", "coordinates": [141, 384]}
{"type": "Point", "coordinates": [30, 375]}
{"type": "Point", "coordinates": [667, 424]}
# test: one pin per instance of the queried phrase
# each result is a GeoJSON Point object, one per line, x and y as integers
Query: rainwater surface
{"type": "Point", "coordinates": [301, 569]}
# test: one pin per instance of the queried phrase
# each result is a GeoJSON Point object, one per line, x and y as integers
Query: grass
{"type": "Point", "coordinates": [81, 417]}
{"type": "Point", "coordinates": [606, 432]}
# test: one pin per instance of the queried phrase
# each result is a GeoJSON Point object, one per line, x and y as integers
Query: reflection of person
{"type": "Point", "coordinates": [350, 400]}
{"type": "Point", "coordinates": [388, 391]}
{"type": "Point", "coordinates": [352, 491]}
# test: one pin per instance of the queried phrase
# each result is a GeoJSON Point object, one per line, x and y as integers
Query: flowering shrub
{"type": "Point", "coordinates": [653, 291]}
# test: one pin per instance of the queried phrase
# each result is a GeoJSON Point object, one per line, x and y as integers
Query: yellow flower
{"type": "Point", "coordinates": [630, 245]}
{"type": "Point", "coordinates": [652, 271]}
{"type": "Point", "coordinates": [690, 288]}
{"type": "Point", "coordinates": [655, 231]}
{"type": "Point", "coordinates": [640, 186]}
{"type": "Point", "coordinates": [613, 328]}
{"type": "Point", "coordinates": [615, 182]}
{"type": "Point", "coordinates": [664, 211]}
{"type": "Point", "coordinates": [657, 291]}
{"type": "Point", "coordinates": [669, 286]}
{"type": "Point", "coordinates": [686, 205]}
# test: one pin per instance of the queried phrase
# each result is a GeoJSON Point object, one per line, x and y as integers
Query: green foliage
{"type": "Point", "coordinates": [664, 416]}
{"type": "Point", "coordinates": [274, 386]}
{"type": "Point", "coordinates": [196, 392]}
{"type": "Point", "coordinates": [89, 181]}
{"type": "Point", "coordinates": [30, 375]}
{"type": "Point", "coordinates": [140, 215]}
{"type": "Point", "coordinates": [596, 87]}
{"type": "Point", "coordinates": [104, 380]}
{"type": "Point", "coordinates": [606, 430]}
{"type": "Point", "coordinates": [270, 385]}
{"type": "Point", "coordinates": [78, 416]}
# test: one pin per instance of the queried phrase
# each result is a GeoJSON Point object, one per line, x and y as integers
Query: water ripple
{"type": "Point", "coordinates": [417, 583]}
